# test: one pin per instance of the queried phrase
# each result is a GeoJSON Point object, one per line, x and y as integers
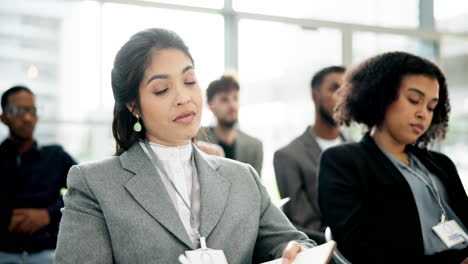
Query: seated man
{"type": "Point", "coordinates": [296, 164]}
{"type": "Point", "coordinates": [31, 179]}
{"type": "Point", "coordinates": [223, 100]}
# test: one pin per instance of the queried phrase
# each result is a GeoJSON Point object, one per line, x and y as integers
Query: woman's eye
{"type": "Point", "coordinates": [413, 101]}
{"type": "Point", "coordinates": [190, 83]}
{"type": "Point", "coordinates": [160, 92]}
{"type": "Point", "coordinates": [431, 108]}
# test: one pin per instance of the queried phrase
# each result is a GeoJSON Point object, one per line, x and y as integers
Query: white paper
{"type": "Point", "coordinates": [208, 256]}
{"type": "Point", "coordinates": [282, 202]}
{"type": "Point", "coordinates": [317, 255]}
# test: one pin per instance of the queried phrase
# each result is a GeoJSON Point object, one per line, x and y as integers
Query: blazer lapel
{"type": "Point", "coordinates": [313, 148]}
{"type": "Point", "coordinates": [430, 164]}
{"type": "Point", "coordinates": [387, 165]}
{"type": "Point", "coordinates": [149, 191]}
{"type": "Point", "coordinates": [214, 191]}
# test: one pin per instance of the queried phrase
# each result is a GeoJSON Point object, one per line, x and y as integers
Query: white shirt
{"type": "Point", "coordinates": [177, 163]}
{"type": "Point", "coordinates": [325, 143]}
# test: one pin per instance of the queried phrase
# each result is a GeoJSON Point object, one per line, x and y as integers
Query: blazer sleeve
{"type": "Point", "coordinates": [290, 184]}
{"type": "Point", "coordinates": [83, 233]}
{"type": "Point", "coordinates": [259, 159]}
{"type": "Point", "coordinates": [275, 230]}
{"type": "Point", "coordinates": [54, 208]}
{"type": "Point", "coordinates": [341, 196]}
{"type": "Point", "coordinates": [455, 188]}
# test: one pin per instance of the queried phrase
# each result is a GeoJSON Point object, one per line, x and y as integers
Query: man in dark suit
{"type": "Point", "coordinates": [31, 179]}
{"type": "Point", "coordinates": [296, 164]}
{"type": "Point", "coordinates": [223, 100]}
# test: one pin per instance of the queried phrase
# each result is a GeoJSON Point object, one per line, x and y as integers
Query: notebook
{"type": "Point", "coordinates": [318, 255]}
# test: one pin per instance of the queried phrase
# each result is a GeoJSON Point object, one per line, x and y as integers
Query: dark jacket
{"type": "Point", "coordinates": [31, 180]}
{"type": "Point", "coordinates": [370, 208]}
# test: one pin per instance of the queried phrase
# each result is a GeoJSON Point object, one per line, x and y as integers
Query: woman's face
{"type": "Point", "coordinates": [409, 117]}
{"type": "Point", "coordinates": [170, 99]}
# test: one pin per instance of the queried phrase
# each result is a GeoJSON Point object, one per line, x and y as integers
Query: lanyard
{"type": "Point", "coordinates": [432, 186]}
{"type": "Point", "coordinates": [158, 165]}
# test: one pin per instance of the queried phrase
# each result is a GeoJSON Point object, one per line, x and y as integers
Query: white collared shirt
{"type": "Point", "coordinates": [177, 163]}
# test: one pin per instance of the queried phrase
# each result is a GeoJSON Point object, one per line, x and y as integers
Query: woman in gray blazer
{"type": "Point", "coordinates": [160, 196]}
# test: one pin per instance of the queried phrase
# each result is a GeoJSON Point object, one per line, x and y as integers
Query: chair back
{"type": "Point", "coordinates": [337, 256]}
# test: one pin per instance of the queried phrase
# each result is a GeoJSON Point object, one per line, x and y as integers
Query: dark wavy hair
{"type": "Point", "coordinates": [130, 64]}
{"type": "Point", "coordinates": [373, 85]}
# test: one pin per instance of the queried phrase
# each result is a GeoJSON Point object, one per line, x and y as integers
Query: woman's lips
{"type": "Point", "coordinates": [418, 128]}
{"type": "Point", "coordinates": [185, 118]}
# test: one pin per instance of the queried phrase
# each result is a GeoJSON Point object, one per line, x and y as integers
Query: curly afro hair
{"type": "Point", "coordinates": [373, 85]}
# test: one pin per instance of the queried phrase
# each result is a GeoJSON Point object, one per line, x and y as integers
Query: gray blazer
{"type": "Point", "coordinates": [118, 210]}
{"type": "Point", "coordinates": [296, 169]}
{"type": "Point", "coordinates": [248, 149]}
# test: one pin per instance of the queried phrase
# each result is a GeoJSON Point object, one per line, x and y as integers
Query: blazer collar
{"type": "Point", "coordinates": [312, 147]}
{"type": "Point", "coordinates": [387, 166]}
{"type": "Point", "coordinates": [214, 191]}
{"type": "Point", "coordinates": [149, 191]}
{"type": "Point", "coordinates": [368, 142]}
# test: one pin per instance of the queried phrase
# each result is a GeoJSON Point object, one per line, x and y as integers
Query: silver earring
{"type": "Point", "coordinates": [137, 125]}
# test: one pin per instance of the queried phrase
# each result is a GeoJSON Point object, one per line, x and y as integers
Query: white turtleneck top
{"type": "Point", "coordinates": [177, 162]}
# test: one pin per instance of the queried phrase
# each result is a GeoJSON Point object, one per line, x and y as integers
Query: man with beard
{"type": "Point", "coordinates": [30, 183]}
{"type": "Point", "coordinates": [223, 100]}
{"type": "Point", "coordinates": [296, 165]}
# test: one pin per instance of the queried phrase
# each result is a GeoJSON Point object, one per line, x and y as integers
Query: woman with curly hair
{"type": "Point", "coordinates": [382, 196]}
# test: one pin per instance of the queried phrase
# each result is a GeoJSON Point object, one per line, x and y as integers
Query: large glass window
{"type": "Point", "coordinates": [367, 44]}
{"type": "Point", "coordinates": [31, 54]}
{"type": "Point", "coordinates": [276, 64]}
{"type": "Point", "coordinates": [198, 3]}
{"type": "Point", "coordinates": [203, 34]}
{"type": "Point", "coordinates": [64, 51]}
{"type": "Point", "coordinates": [93, 138]}
{"type": "Point", "coordinates": [450, 15]}
{"type": "Point", "coordinates": [454, 60]}
{"type": "Point", "coordinates": [396, 13]}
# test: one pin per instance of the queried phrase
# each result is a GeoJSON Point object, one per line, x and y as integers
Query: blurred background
{"type": "Point", "coordinates": [64, 50]}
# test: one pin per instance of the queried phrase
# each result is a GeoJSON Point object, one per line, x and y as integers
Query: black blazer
{"type": "Point", "coordinates": [370, 208]}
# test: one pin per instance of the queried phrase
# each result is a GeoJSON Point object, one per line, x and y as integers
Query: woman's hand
{"type": "Point", "coordinates": [290, 252]}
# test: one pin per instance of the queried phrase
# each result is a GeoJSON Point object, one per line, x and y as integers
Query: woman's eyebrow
{"type": "Point", "coordinates": [166, 76]}
{"type": "Point", "coordinates": [421, 93]}
{"type": "Point", "coordinates": [158, 76]}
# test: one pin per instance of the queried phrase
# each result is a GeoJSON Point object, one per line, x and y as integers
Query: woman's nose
{"type": "Point", "coordinates": [182, 97]}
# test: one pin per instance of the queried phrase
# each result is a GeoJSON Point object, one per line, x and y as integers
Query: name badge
{"type": "Point", "coordinates": [203, 255]}
{"type": "Point", "coordinates": [450, 233]}
{"type": "Point", "coordinates": [206, 256]}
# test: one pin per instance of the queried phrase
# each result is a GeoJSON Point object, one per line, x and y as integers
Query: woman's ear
{"type": "Point", "coordinates": [132, 107]}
